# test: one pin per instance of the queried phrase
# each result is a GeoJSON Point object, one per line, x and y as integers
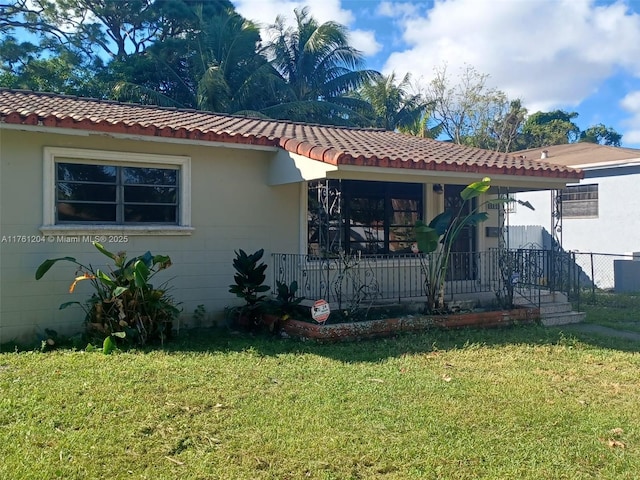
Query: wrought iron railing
{"type": "Point", "coordinates": [358, 280]}
{"type": "Point", "coordinates": [346, 280]}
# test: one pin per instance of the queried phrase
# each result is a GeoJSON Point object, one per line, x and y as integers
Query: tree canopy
{"type": "Point", "coordinates": [319, 70]}
{"type": "Point", "coordinates": [202, 54]}
{"type": "Point", "coordinates": [472, 113]}
{"type": "Point", "coordinates": [392, 106]}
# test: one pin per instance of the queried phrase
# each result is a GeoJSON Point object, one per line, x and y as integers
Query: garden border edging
{"type": "Point", "coordinates": [410, 323]}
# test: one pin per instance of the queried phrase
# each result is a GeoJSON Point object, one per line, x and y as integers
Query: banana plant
{"type": "Point", "coordinates": [437, 238]}
{"type": "Point", "coordinates": [123, 299]}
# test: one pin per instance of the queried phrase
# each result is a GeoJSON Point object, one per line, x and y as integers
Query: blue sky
{"type": "Point", "coordinates": [576, 55]}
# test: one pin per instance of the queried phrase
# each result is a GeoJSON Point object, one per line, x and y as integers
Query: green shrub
{"type": "Point", "coordinates": [249, 285]}
{"type": "Point", "coordinates": [124, 301]}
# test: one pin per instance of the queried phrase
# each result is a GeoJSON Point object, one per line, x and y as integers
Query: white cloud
{"type": "Point", "coordinates": [631, 103]}
{"type": "Point", "coordinates": [549, 53]}
{"type": "Point", "coordinates": [264, 12]}
{"type": "Point", "coordinates": [396, 9]}
{"type": "Point", "coordinates": [365, 41]}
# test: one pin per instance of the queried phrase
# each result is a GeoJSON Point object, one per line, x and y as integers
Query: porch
{"type": "Point", "coordinates": [351, 282]}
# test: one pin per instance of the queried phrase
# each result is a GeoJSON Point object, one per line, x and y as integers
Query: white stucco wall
{"type": "Point", "coordinates": [616, 230]}
{"type": "Point", "coordinates": [232, 207]}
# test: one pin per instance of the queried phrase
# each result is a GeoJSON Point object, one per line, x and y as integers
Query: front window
{"type": "Point", "coordinates": [361, 216]}
{"type": "Point", "coordinates": [116, 194]}
{"type": "Point", "coordinates": [99, 191]}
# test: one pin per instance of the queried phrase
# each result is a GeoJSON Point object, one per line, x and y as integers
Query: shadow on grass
{"type": "Point", "coordinates": [209, 340]}
{"type": "Point", "coordinates": [373, 350]}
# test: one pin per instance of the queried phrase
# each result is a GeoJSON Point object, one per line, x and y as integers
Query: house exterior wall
{"type": "Point", "coordinates": [616, 230]}
{"type": "Point", "coordinates": [232, 207]}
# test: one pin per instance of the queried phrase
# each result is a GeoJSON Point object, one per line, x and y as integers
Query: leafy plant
{"type": "Point", "coordinates": [249, 285]}
{"type": "Point", "coordinates": [286, 303]}
{"type": "Point", "coordinates": [124, 302]}
{"type": "Point", "coordinates": [199, 315]}
{"type": "Point", "coordinates": [438, 237]}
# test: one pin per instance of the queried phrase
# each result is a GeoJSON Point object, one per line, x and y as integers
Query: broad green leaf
{"type": "Point", "coordinates": [119, 291]}
{"type": "Point", "coordinates": [474, 219]}
{"type": "Point", "coordinates": [475, 189]}
{"type": "Point", "coordinates": [68, 304]}
{"type": "Point", "coordinates": [440, 222]}
{"type": "Point", "coordinates": [47, 264]}
{"type": "Point", "coordinates": [104, 278]}
{"type": "Point", "coordinates": [147, 258]}
{"type": "Point", "coordinates": [104, 250]}
{"type": "Point", "coordinates": [163, 261]}
{"type": "Point", "coordinates": [426, 238]}
{"type": "Point", "coordinates": [108, 346]}
{"type": "Point", "coordinates": [140, 274]}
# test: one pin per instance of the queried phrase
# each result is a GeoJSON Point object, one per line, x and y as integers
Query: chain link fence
{"type": "Point", "coordinates": [599, 268]}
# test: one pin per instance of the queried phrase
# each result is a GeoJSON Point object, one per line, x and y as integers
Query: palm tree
{"type": "Point", "coordinates": [233, 76]}
{"type": "Point", "coordinates": [393, 107]}
{"type": "Point", "coordinates": [421, 127]}
{"type": "Point", "coordinates": [320, 70]}
{"type": "Point", "coordinates": [216, 67]}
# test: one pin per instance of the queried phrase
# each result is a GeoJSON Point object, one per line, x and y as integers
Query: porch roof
{"type": "Point", "coordinates": [334, 146]}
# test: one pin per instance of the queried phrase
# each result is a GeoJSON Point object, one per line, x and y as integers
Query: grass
{"type": "Point", "coordinates": [526, 402]}
{"type": "Point", "coordinates": [619, 311]}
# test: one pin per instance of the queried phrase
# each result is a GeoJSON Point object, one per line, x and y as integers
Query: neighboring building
{"type": "Point", "coordinates": [598, 214]}
{"type": "Point", "coordinates": [197, 186]}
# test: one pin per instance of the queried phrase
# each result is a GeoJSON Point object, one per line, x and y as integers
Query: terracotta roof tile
{"type": "Point", "coordinates": [334, 145]}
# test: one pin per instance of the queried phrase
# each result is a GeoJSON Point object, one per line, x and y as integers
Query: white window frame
{"type": "Point", "coordinates": [120, 159]}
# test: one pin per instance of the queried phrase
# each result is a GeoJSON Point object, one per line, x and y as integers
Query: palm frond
{"type": "Point", "coordinates": [130, 92]}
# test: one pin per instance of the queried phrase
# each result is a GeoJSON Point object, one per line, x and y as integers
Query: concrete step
{"type": "Point", "coordinates": [544, 296]}
{"type": "Point", "coordinates": [551, 308]}
{"type": "Point", "coordinates": [555, 309]}
{"type": "Point", "coordinates": [564, 318]}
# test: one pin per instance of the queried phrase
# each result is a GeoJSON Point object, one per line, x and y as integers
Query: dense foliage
{"type": "Point", "coordinates": [202, 54]}
{"type": "Point", "coordinates": [124, 303]}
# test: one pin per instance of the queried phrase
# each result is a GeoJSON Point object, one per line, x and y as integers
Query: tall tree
{"type": "Point", "coordinates": [543, 129]}
{"type": "Point", "coordinates": [501, 133]}
{"type": "Point", "coordinates": [601, 134]}
{"type": "Point", "coordinates": [232, 75]}
{"type": "Point", "coordinates": [466, 108]}
{"type": "Point", "coordinates": [393, 106]}
{"type": "Point", "coordinates": [320, 70]}
{"type": "Point", "coordinates": [423, 126]}
{"type": "Point", "coordinates": [110, 29]}
{"type": "Point", "coordinates": [211, 63]}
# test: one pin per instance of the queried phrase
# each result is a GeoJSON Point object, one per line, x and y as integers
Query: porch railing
{"type": "Point", "coordinates": [348, 280]}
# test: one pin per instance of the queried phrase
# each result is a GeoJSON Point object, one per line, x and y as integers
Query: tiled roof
{"type": "Point", "coordinates": [333, 145]}
{"type": "Point", "coordinates": [584, 154]}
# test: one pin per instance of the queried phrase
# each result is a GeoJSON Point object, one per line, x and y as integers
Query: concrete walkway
{"type": "Point", "coordinates": [601, 330]}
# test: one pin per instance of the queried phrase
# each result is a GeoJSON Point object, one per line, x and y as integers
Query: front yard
{"type": "Point", "coordinates": [524, 402]}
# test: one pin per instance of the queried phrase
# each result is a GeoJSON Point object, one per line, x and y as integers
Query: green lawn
{"type": "Point", "coordinates": [617, 311]}
{"type": "Point", "coordinates": [525, 402]}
